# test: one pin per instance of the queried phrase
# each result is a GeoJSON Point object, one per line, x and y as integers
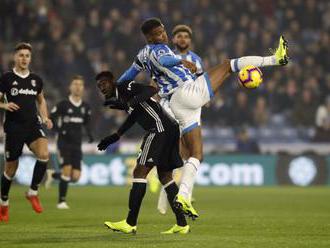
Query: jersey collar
{"type": "Point", "coordinates": [76, 104]}
{"type": "Point", "coordinates": [21, 75]}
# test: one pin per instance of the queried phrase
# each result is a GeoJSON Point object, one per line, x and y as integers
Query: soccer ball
{"type": "Point", "coordinates": [250, 77]}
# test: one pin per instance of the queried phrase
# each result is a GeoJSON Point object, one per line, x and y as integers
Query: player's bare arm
{"type": "Point", "coordinates": [8, 106]}
{"type": "Point", "coordinates": [42, 106]}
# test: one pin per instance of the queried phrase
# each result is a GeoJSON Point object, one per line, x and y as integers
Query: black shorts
{"type": "Point", "coordinates": [161, 150]}
{"type": "Point", "coordinates": [16, 135]}
{"type": "Point", "coordinates": [70, 154]}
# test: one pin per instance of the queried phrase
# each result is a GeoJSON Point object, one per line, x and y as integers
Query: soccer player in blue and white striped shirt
{"type": "Point", "coordinates": [181, 39]}
{"type": "Point", "coordinates": [178, 82]}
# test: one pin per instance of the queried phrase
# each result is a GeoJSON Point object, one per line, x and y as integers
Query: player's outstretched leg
{"type": "Point", "coordinates": [280, 57]}
{"type": "Point", "coordinates": [219, 73]}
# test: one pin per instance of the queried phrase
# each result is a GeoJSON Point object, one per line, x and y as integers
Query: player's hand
{"type": "Point", "coordinates": [48, 123]}
{"type": "Point", "coordinates": [105, 142]}
{"type": "Point", "coordinates": [189, 65]}
{"type": "Point", "coordinates": [11, 107]}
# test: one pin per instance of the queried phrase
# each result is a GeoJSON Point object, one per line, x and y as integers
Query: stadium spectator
{"type": "Point", "coordinates": [244, 143]}
{"type": "Point", "coordinates": [323, 122]}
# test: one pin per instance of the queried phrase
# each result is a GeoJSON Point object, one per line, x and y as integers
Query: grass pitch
{"type": "Point", "coordinates": [229, 217]}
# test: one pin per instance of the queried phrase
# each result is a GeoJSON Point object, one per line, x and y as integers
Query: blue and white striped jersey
{"type": "Point", "coordinates": [168, 74]}
{"type": "Point", "coordinates": [192, 57]}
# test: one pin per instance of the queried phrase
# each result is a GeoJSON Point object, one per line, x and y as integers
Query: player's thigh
{"type": "Point", "coordinates": [141, 171]}
{"type": "Point", "coordinates": [188, 118]}
{"type": "Point", "coordinates": [218, 74]}
{"type": "Point", "coordinates": [148, 150]}
{"type": "Point", "coordinates": [14, 143]}
{"type": "Point", "coordinates": [38, 143]}
{"type": "Point", "coordinates": [76, 159]}
{"type": "Point", "coordinates": [170, 158]}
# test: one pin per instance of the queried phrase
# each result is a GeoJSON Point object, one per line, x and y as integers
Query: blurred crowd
{"type": "Point", "coordinates": [84, 37]}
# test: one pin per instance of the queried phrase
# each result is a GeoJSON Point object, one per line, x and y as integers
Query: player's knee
{"type": "Point", "coordinates": [165, 178]}
{"type": "Point", "coordinates": [140, 172]}
{"type": "Point", "coordinates": [43, 156]}
{"type": "Point", "coordinates": [10, 172]}
{"type": "Point", "coordinates": [75, 178]}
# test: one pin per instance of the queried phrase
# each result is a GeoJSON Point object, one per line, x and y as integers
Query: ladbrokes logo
{"type": "Point", "coordinates": [15, 92]}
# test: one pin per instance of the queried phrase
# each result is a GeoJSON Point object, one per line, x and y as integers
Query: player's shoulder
{"type": "Point", "coordinates": [35, 76]}
{"type": "Point", "coordinates": [125, 85]}
{"type": "Point", "coordinates": [85, 105]}
{"type": "Point", "coordinates": [160, 47]}
{"type": "Point", "coordinates": [7, 75]}
{"type": "Point", "coordinates": [194, 55]}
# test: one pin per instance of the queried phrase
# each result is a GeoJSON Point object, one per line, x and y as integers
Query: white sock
{"type": "Point", "coordinates": [239, 63]}
{"type": "Point", "coordinates": [188, 177]}
{"type": "Point", "coordinates": [32, 192]}
{"type": "Point", "coordinates": [162, 201]}
{"type": "Point", "coordinates": [4, 203]}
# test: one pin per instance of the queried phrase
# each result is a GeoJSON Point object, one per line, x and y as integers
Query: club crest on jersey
{"type": "Point", "coordinates": [14, 91]}
{"type": "Point", "coordinates": [161, 52]}
{"type": "Point", "coordinates": [70, 111]}
{"type": "Point", "coordinates": [15, 83]}
{"type": "Point", "coordinates": [33, 82]}
{"type": "Point", "coordinates": [83, 110]}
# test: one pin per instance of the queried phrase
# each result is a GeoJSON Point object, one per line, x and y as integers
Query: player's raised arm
{"type": "Point", "coordinates": [113, 138]}
{"type": "Point", "coordinates": [132, 72]}
{"type": "Point", "coordinates": [42, 106]}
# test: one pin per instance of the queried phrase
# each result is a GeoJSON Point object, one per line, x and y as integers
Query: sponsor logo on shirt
{"type": "Point", "coordinates": [15, 92]}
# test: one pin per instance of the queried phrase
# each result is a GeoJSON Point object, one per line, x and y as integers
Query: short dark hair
{"type": "Point", "coordinates": [181, 28]}
{"type": "Point", "coordinates": [149, 24]}
{"type": "Point", "coordinates": [77, 77]}
{"type": "Point", "coordinates": [104, 74]}
{"type": "Point", "coordinates": [23, 45]}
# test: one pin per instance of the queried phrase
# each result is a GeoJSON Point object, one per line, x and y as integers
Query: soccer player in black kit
{"type": "Point", "coordinates": [22, 89]}
{"type": "Point", "coordinates": [160, 146]}
{"type": "Point", "coordinates": [69, 117]}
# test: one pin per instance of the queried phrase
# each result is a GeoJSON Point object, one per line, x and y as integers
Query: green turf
{"type": "Point", "coordinates": [229, 217]}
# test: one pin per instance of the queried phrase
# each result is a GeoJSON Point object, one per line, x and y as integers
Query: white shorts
{"type": "Point", "coordinates": [187, 101]}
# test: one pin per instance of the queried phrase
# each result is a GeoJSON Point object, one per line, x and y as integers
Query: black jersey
{"type": "Point", "coordinates": [148, 114]}
{"type": "Point", "coordinates": [23, 91]}
{"type": "Point", "coordinates": [69, 118]}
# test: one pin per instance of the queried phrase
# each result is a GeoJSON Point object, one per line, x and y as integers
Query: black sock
{"type": "Point", "coordinates": [5, 186]}
{"type": "Point", "coordinates": [38, 174]}
{"type": "Point", "coordinates": [171, 191]}
{"type": "Point", "coordinates": [63, 188]}
{"type": "Point", "coordinates": [56, 175]}
{"type": "Point", "coordinates": [135, 199]}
